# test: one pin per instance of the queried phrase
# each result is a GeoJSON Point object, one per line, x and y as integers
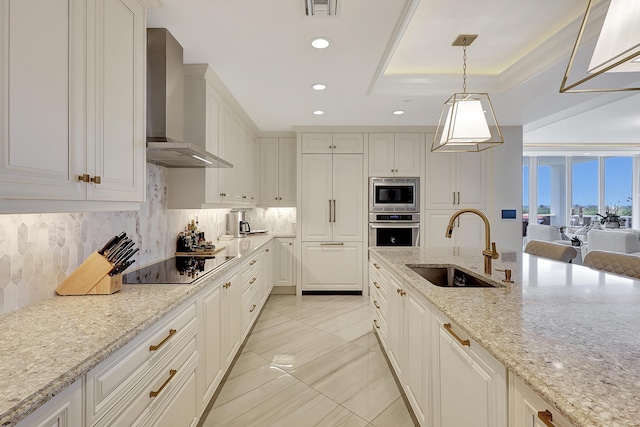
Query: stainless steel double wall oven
{"type": "Point", "coordinates": [394, 211]}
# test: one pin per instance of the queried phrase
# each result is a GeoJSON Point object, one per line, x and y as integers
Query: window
{"type": "Point", "coordinates": [618, 186]}
{"type": "Point", "coordinates": [585, 190]}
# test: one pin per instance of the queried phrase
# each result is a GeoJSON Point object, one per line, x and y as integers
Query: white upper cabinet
{"type": "Point", "coordinates": [456, 180]}
{"type": "Point", "coordinates": [346, 143]}
{"type": "Point", "coordinates": [332, 197]}
{"type": "Point", "coordinates": [395, 154]}
{"type": "Point", "coordinates": [278, 172]}
{"type": "Point", "coordinates": [72, 100]}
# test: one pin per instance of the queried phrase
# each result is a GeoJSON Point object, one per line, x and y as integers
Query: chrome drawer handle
{"type": "Point", "coordinates": [157, 346]}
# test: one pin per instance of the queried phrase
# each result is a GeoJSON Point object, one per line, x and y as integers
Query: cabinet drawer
{"type": "Point", "coordinates": [108, 382]}
{"type": "Point", "coordinates": [250, 279]}
{"type": "Point", "coordinates": [379, 322]}
{"type": "Point", "coordinates": [158, 377]}
{"type": "Point", "coordinates": [250, 307]}
{"type": "Point", "coordinates": [378, 303]}
{"type": "Point", "coordinates": [249, 269]}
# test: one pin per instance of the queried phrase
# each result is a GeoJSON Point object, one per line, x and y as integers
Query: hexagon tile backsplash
{"type": "Point", "coordinates": [38, 251]}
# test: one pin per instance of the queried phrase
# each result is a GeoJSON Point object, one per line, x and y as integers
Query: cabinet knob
{"type": "Point", "coordinates": [244, 197]}
{"type": "Point", "coordinates": [290, 243]}
{"type": "Point", "coordinates": [267, 250]}
{"type": "Point", "coordinates": [84, 178]}
{"type": "Point", "coordinates": [96, 180]}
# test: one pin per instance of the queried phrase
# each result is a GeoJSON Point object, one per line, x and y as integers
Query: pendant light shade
{"type": "Point", "coordinates": [467, 122]}
{"type": "Point", "coordinates": [606, 55]}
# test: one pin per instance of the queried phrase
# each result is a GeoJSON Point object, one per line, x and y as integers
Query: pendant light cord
{"type": "Point", "coordinates": [464, 65]}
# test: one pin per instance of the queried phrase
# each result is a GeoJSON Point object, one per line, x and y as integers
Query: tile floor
{"type": "Point", "coordinates": [311, 361]}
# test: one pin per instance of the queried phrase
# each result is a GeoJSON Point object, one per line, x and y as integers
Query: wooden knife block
{"type": "Point", "coordinates": [91, 278]}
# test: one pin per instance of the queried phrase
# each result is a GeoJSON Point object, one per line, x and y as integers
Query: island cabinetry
{"type": "Point", "coordinates": [73, 101]}
{"type": "Point", "coordinates": [378, 298]}
{"type": "Point", "coordinates": [527, 409]}
{"type": "Point", "coordinates": [332, 217]}
{"type": "Point", "coordinates": [402, 319]}
{"type": "Point", "coordinates": [64, 410]}
{"type": "Point", "coordinates": [395, 154]}
{"type": "Point", "coordinates": [154, 372]}
{"type": "Point", "coordinates": [469, 385]}
{"type": "Point", "coordinates": [278, 172]}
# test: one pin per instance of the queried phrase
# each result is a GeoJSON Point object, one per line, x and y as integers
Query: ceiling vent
{"type": "Point", "coordinates": [321, 8]}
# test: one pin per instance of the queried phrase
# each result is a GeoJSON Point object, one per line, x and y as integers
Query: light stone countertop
{"type": "Point", "coordinates": [47, 346]}
{"type": "Point", "coordinates": [571, 333]}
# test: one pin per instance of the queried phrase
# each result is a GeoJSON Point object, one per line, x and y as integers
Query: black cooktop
{"type": "Point", "coordinates": [176, 270]}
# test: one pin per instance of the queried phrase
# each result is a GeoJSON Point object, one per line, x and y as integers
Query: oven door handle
{"type": "Point", "coordinates": [394, 225]}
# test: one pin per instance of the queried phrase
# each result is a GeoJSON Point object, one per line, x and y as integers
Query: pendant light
{"type": "Point", "coordinates": [606, 55]}
{"type": "Point", "coordinates": [467, 122]}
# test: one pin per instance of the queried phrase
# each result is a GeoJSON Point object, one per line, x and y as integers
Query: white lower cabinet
{"type": "Point", "coordinates": [212, 368]}
{"type": "Point", "coordinates": [231, 303]}
{"type": "Point", "coordinates": [283, 274]}
{"type": "Point", "coordinates": [527, 409]}
{"type": "Point", "coordinates": [448, 379]}
{"type": "Point", "coordinates": [64, 410]}
{"type": "Point", "coordinates": [134, 385]}
{"type": "Point", "coordinates": [417, 355]}
{"type": "Point", "coordinates": [331, 266]}
{"type": "Point", "coordinates": [469, 385]}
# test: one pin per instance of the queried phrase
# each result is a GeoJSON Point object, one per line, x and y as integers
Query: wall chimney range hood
{"type": "Point", "coordinates": [165, 108]}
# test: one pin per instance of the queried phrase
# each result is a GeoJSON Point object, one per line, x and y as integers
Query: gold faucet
{"type": "Point", "coordinates": [490, 251]}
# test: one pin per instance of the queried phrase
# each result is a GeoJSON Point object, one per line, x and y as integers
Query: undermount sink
{"type": "Point", "coordinates": [450, 277]}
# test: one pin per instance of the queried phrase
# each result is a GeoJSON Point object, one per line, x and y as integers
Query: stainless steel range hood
{"type": "Point", "coordinates": [165, 108]}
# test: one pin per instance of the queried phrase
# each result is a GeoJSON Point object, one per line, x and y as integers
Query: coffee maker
{"type": "Point", "coordinates": [236, 224]}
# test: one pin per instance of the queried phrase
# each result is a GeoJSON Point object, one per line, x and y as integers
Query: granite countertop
{"type": "Point", "coordinates": [47, 346]}
{"type": "Point", "coordinates": [571, 333]}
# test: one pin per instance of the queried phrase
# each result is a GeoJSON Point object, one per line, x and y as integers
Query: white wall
{"type": "Point", "coordinates": [504, 178]}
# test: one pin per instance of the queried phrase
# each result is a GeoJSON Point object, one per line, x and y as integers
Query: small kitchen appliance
{"type": "Point", "coordinates": [236, 224]}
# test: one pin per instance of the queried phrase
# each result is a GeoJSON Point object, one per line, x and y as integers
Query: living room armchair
{"type": "Point", "coordinates": [613, 241]}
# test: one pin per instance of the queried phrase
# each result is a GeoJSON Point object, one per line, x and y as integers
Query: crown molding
{"type": "Point", "coordinates": [150, 4]}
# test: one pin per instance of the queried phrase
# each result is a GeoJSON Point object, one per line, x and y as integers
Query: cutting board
{"type": "Point", "coordinates": [203, 253]}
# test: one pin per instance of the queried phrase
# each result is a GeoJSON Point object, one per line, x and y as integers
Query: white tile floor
{"type": "Point", "coordinates": [311, 361]}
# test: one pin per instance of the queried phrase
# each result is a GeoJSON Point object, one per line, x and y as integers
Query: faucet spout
{"type": "Point", "coordinates": [489, 252]}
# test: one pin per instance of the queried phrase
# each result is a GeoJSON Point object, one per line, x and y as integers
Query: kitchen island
{"type": "Point", "coordinates": [46, 347]}
{"type": "Point", "coordinates": [570, 333]}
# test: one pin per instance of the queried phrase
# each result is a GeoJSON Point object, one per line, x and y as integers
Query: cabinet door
{"type": "Point", "coordinates": [287, 172]}
{"type": "Point", "coordinates": [526, 408]}
{"type": "Point", "coordinates": [407, 154]}
{"type": "Point", "coordinates": [213, 135]}
{"type": "Point", "coordinates": [284, 262]}
{"type": "Point", "coordinates": [470, 387]}
{"type": "Point", "coordinates": [115, 100]}
{"type": "Point", "coordinates": [382, 154]}
{"type": "Point", "coordinates": [269, 171]}
{"type": "Point", "coordinates": [348, 143]}
{"type": "Point", "coordinates": [317, 143]}
{"type": "Point", "coordinates": [471, 180]}
{"type": "Point", "coordinates": [231, 305]}
{"type": "Point", "coordinates": [332, 267]}
{"type": "Point", "coordinates": [316, 197]}
{"type": "Point", "coordinates": [395, 322]}
{"type": "Point", "coordinates": [348, 197]}
{"type": "Point", "coordinates": [417, 331]}
{"type": "Point", "coordinates": [212, 368]}
{"type": "Point", "coordinates": [42, 146]}
{"type": "Point", "coordinates": [440, 181]}
{"type": "Point", "coordinates": [266, 271]}
{"type": "Point", "coordinates": [229, 150]}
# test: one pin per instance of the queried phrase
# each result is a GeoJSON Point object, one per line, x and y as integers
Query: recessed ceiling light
{"type": "Point", "coordinates": [398, 112]}
{"type": "Point", "coordinates": [319, 86]}
{"type": "Point", "coordinates": [320, 42]}
{"type": "Point", "coordinates": [318, 112]}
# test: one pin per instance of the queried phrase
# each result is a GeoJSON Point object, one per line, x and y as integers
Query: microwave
{"type": "Point", "coordinates": [394, 194]}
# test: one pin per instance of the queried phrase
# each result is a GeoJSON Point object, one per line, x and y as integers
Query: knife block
{"type": "Point", "coordinates": [91, 278]}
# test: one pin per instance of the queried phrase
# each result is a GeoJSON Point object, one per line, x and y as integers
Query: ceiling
{"type": "Point", "coordinates": [389, 55]}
